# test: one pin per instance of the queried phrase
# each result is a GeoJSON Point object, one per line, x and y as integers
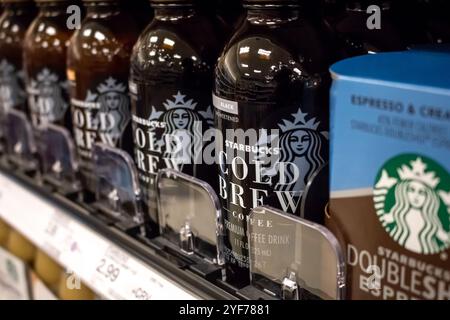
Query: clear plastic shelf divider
{"type": "Point", "coordinates": [292, 258]}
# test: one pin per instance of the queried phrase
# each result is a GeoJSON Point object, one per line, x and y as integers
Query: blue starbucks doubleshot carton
{"type": "Point", "coordinates": [390, 173]}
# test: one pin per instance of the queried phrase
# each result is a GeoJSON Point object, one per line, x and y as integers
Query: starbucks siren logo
{"type": "Point", "coordinates": [412, 201]}
{"type": "Point", "coordinates": [12, 93]}
{"type": "Point", "coordinates": [46, 97]}
{"type": "Point", "coordinates": [301, 144]}
{"type": "Point", "coordinates": [183, 133]}
{"type": "Point", "coordinates": [114, 102]}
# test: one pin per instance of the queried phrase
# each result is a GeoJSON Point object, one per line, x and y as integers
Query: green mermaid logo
{"type": "Point", "coordinates": [412, 201]}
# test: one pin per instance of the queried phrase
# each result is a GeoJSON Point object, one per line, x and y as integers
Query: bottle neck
{"type": "Point", "coordinates": [272, 15]}
{"type": "Point", "coordinates": [52, 9]}
{"type": "Point", "coordinates": [102, 9]}
{"type": "Point", "coordinates": [174, 13]}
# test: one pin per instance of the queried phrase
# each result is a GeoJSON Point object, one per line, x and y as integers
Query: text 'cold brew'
{"type": "Point", "coordinates": [14, 22]}
{"type": "Point", "coordinates": [45, 64]}
{"type": "Point", "coordinates": [171, 81]}
{"type": "Point", "coordinates": [98, 69]}
{"type": "Point", "coordinates": [270, 98]}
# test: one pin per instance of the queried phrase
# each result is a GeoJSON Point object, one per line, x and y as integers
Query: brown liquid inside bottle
{"type": "Point", "coordinates": [14, 22]}
{"type": "Point", "coordinates": [272, 84]}
{"type": "Point", "coordinates": [98, 68]}
{"type": "Point", "coordinates": [171, 79]}
{"type": "Point", "coordinates": [45, 50]}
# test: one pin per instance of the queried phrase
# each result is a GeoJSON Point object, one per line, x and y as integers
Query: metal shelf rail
{"type": "Point", "coordinates": [112, 263]}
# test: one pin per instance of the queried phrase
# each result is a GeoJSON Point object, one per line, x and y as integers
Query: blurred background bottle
{"type": "Point", "coordinates": [44, 55]}
{"type": "Point", "coordinates": [14, 22]}
{"type": "Point", "coordinates": [98, 64]}
{"type": "Point", "coordinates": [171, 81]}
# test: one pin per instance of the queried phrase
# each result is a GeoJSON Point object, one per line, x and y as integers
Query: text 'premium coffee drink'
{"type": "Point", "coordinates": [45, 64]}
{"type": "Point", "coordinates": [270, 98]}
{"type": "Point", "coordinates": [14, 23]}
{"type": "Point", "coordinates": [98, 69]}
{"type": "Point", "coordinates": [171, 81]}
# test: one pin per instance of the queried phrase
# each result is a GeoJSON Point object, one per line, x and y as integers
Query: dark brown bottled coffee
{"type": "Point", "coordinates": [272, 85]}
{"type": "Point", "coordinates": [44, 55]}
{"type": "Point", "coordinates": [98, 68]}
{"type": "Point", "coordinates": [14, 23]}
{"type": "Point", "coordinates": [358, 39]}
{"type": "Point", "coordinates": [171, 81]}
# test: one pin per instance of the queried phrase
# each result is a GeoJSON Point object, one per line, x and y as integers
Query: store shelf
{"type": "Point", "coordinates": [112, 263]}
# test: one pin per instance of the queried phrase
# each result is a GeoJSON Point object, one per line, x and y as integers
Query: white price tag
{"type": "Point", "coordinates": [103, 266]}
{"type": "Point", "coordinates": [58, 237]}
{"type": "Point", "coordinates": [23, 210]}
{"type": "Point", "coordinates": [128, 278]}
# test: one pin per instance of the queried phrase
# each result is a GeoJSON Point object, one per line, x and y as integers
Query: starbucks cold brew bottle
{"type": "Point", "coordinates": [44, 56]}
{"type": "Point", "coordinates": [98, 66]}
{"type": "Point", "coordinates": [271, 106]}
{"type": "Point", "coordinates": [14, 22]}
{"type": "Point", "coordinates": [170, 84]}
